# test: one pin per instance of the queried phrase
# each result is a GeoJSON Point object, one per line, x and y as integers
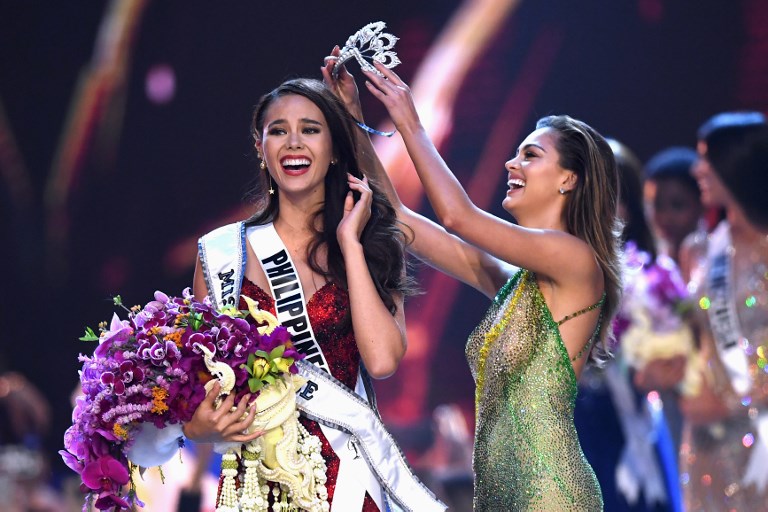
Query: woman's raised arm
{"type": "Point", "coordinates": [550, 252]}
{"type": "Point", "coordinates": [431, 242]}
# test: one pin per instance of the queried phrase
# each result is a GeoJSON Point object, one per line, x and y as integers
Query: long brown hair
{"type": "Point", "coordinates": [591, 208]}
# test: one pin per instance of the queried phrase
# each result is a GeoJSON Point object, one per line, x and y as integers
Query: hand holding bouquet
{"type": "Point", "coordinates": [150, 369]}
{"type": "Point", "coordinates": [650, 324]}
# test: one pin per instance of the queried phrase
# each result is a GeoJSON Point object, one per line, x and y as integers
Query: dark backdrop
{"type": "Point", "coordinates": [647, 72]}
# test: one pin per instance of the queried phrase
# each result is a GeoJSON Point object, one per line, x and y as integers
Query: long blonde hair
{"type": "Point", "coordinates": [591, 209]}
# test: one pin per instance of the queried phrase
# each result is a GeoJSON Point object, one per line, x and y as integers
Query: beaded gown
{"type": "Point", "coordinates": [714, 457]}
{"type": "Point", "coordinates": [527, 454]}
{"type": "Point", "coordinates": [326, 310]}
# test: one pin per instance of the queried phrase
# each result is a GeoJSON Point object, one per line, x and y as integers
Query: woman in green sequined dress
{"type": "Point", "coordinates": [554, 279]}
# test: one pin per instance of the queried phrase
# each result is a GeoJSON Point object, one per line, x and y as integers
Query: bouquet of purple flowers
{"type": "Point", "coordinates": [651, 321]}
{"type": "Point", "coordinates": [150, 368]}
{"type": "Point", "coordinates": [654, 286]}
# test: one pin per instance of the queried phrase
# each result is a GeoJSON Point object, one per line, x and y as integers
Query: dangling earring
{"type": "Point", "coordinates": [263, 167]}
{"type": "Point", "coordinates": [562, 190]}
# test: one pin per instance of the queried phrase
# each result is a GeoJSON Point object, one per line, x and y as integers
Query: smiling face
{"type": "Point", "coordinates": [535, 176]}
{"type": "Point", "coordinates": [296, 145]}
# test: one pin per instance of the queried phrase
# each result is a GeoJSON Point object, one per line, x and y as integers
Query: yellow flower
{"type": "Point", "coordinates": [158, 400]}
{"type": "Point", "coordinates": [282, 363]}
{"type": "Point", "coordinates": [231, 312]}
{"type": "Point", "coordinates": [119, 431]}
{"type": "Point", "coordinates": [175, 337]}
{"type": "Point", "coordinates": [260, 368]}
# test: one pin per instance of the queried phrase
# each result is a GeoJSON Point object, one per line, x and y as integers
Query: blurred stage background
{"type": "Point", "coordinates": [124, 135]}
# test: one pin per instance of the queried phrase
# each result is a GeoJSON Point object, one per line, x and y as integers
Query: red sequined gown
{"type": "Point", "coordinates": [326, 310]}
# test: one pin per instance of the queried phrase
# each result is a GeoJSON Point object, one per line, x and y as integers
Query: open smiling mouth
{"type": "Point", "coordinates": [295, 166]}
{"type": "Point", "coordinates": [516, 184]}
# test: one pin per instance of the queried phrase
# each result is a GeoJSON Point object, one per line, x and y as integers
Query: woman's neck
{"type": "Point", "coordinates": [293, 222]}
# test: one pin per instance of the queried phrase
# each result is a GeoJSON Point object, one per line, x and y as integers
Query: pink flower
{"type": "Point", "coordinates": [105, 474]}
{"type": "Point", "coordinates": [109, 500]}
{"type": "Point", "coordinates": [71, 461]}
{"type": "Point", "coordinates": [119, 331]}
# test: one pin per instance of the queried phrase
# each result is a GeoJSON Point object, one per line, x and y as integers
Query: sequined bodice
{"type": "Point", "coordinates": [326, 310]}
{"type": "Point", "coordinates": [714, 456]}
{"type": "Point", "coordinates": [527, 454]}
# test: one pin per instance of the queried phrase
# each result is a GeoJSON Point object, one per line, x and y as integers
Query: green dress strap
{"type": "Point", "coordinates": [598, 304]}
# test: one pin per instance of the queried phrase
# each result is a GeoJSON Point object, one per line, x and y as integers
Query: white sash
{"type": "Point", "coordinates": [222, 254]}
{"type": "Point", "coordinates": [284, 283]}
{"type": "Point", "coordinates": [327, 401]}
{"type": "Point", "coordinates": [637, 470]}
{"type": "Point", "coordinates": [726, 330]}
{"type": "Point", "coordinates": [723, 319]}
{"type": "Point", "coordinates": [352, 480]}
{"type": "Point", "coordinates": [347, 420]}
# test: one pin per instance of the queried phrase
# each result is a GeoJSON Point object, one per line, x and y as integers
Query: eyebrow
{"type": "Point", "coordinates": [530, 145]}
{"type": "Point", "coordinates": [304, 120]}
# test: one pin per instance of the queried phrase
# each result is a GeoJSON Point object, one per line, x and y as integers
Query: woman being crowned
{"type": "Point", "coordinates": [324, 255]}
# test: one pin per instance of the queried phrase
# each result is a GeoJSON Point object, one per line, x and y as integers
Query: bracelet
{"type": "Point", "coordinates": [373, 130]}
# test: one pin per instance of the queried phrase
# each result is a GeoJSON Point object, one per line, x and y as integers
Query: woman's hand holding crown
{"type": "Point", "coordinates": [343, 84]}
{"type": "Point", "coordinates": [396, 97]}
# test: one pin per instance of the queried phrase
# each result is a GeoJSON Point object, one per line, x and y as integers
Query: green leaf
{"type": "Point", "coordinates": [89, 335]}
{"type": "Point", "coordinates": [255, 385]}
{"type": "Point", "coordinates": [262, 354]}
{"type": "Point", "coordinates": [269, 379]}
{"type": "Point", "coordinates": [277, 352]}
{"type": "Point", "coordinates": [195, 321]}
{"type": "Point", "coordinates": [247, 368]}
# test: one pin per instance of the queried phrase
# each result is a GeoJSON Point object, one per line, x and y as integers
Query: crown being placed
{"type": "Point", "coordinates": [369, 43]}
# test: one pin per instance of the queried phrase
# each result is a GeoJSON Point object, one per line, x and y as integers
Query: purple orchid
{"type": "Point", "coordinates": [105, 474]}
{"type": "Point", "coordinates": [131, 372]}
{"type": "Point", "coordinates": [71, 461]}
{"type": "Point", "coordinates": [113, 383]}
{"type": "Point", "coordinates": [149, 369]}
{"type": "Point", "coordinates": [108, 500]}
{"type": "Point", "coordinates": [204, 339]}
{"type": "Point", "coordinates": [119, 331]}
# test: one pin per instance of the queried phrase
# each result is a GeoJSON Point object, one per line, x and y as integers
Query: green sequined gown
{"type": "Point", "coordinates": [527, 454]}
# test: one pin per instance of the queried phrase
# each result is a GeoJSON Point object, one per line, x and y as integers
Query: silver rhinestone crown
{"type": "Point", "coordinates": [369, 43]}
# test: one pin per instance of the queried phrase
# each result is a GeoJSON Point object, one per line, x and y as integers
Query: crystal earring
{"type": "Point", "coordinates": [263, 165]}
{"type": "Point", "coordinates": [562, 190]}
{"type": "Point", "coordinates": [271, 188]}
